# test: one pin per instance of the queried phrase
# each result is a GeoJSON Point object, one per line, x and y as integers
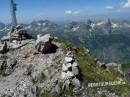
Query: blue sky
{"type": "Point", "coordinates": [29, 10]}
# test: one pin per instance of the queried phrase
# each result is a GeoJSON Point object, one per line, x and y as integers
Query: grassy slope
{"type": "Point", "coordinates": [91, 72]}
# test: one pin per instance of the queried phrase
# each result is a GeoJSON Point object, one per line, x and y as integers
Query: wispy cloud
{"type": "Point", "coordinates": [70, 12]}
{"type": "Point", "coordinates": [126, 4]}
{"type": "Point", "coordinates": [119, 6]}
{"type": "Point", "coordinates": [109, 7]}
{"type": "Point", "coordinates": [76, 12]}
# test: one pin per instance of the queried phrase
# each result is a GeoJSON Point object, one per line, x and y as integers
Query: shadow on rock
{"type": "Point", "coordinates": [52, 49]}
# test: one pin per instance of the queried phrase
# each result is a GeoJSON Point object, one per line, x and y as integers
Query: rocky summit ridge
{"type": "Point", "coordinates": [49, 67]}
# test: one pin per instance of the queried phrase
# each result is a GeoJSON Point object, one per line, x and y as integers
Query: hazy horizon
{"type": "Point", "coordinates": [63, 10]}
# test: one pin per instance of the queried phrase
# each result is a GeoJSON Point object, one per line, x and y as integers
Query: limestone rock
{"type": "Point", "coordinates": [66, 75]}
{"type": "Point", "coordinates": [44, 44]}
{"type": "Point", "coordinates": [64, 67]}
{"type": "Point", "coordinates": [68, 65]}
{"type": "Point", "coordinates": [44, 39]}
{"type": "Point", "coordinates": [75, 70]}
{"type": "Point", "coordinates": [3, 48]}
{"type": "Point", "coordinates": [58, 89]}
{"type": "Point", "coordinates": [74, 64]}
{"type": "Point", "coordinates": [69, 74]}
{"type": "Point", "coordinates": [70, 71]}
{"type": "Point", "coordinates": [63, 75]}
{"type": "Point", "coordinates": [8, 66]}
{"type": "Point", "coordinates": [69, 54]}
{"type": "Point", "coordinates": [76, 82]}
{"type": "Point", "coordinates": [29, 74]}
{"type": "Point", "coordinates": [66, 84]}
{"type": "Point", "coordinates": [68, 59]}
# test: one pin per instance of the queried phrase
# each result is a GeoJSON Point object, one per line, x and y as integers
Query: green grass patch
{"type": "Point", "coordinates": [92, 72]}
{"type": "Point", "coordinates": [47, 94]}
{"type": "Point", "coordinates": [125, 67]}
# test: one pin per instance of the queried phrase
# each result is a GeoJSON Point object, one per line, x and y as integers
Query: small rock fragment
{"type": "Point", "coordinates": [76, 82]}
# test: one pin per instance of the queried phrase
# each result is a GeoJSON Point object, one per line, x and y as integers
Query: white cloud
{"type": "Point", "coordinates": [70, 12]}
{"type": "Point", "coordinates": [76, 12]}
{"type": "Point", "coordinates": [119, 6]}
{"type": "Point", "coordinates": [109, 7]}
{"type": "Point", "coordinates": [126, 4]}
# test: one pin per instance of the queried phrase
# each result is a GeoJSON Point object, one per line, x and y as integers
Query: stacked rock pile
{"type": "Point", "coordinates": [19, 33]}
{"type": "Point", "coordinates": [44, 44]}
{"type": "Point", "coordinates": [16, 33]}
{"type": "Point", "coordinates": [70, 71]}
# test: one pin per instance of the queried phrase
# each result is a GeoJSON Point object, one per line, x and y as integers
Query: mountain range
{"type": "Point", "coordinates": [107, 40]}
{"type": "Point", "coordinates": [2, 25]}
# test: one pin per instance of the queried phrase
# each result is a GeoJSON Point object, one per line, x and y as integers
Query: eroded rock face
{"type": "Point", "coordinates": [32, 74]}
{"type": "Point", "coordinates": [44, 44]}
{"type": "Point", "coordinates": [127, 75]}
{"type": "Point", "coordinates": [7, 65]}
{"type": "Point", "coordinates": [107, 66]}
{"type": "Point", "coordinates": [4, 48]}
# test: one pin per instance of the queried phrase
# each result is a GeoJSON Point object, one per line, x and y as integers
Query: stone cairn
{"type": "Point", "coordinates": [44, 44]}
{"type": "Point", "coordinates": [18, 33]}
{"type": "Point", "coordinates": [14, 38]}
{"type": "Point", "coordinates": [70, 71]}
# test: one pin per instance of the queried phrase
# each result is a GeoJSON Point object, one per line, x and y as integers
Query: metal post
{"type": "Point", "coordinates": [13, 9]}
